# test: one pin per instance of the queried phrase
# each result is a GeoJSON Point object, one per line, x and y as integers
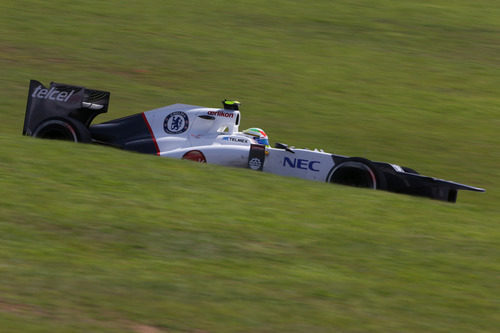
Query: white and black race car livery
{"type": "Point", "coordinates": [211, 135]}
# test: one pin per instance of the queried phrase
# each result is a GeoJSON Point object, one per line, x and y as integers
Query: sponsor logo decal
{"type": "Point", "coordinates": [255, 163]}
{"type": "Point", "coordinates": [221, 114]}
{"type": "Point", "coordinates": [176, 123]}
{"type": "Point", "coordinates": [238, 140]}
{"type": "Point", "coordinates": [52, 94]}
{"type": "Point", "coordinates": [300, 163]}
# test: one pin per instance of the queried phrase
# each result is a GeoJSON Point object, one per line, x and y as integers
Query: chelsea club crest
{"type": "Point", "coordinates": [176, 123]}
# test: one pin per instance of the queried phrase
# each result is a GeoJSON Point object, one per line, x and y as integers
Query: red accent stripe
{"type": "Point", "coordinates": [151, 132]}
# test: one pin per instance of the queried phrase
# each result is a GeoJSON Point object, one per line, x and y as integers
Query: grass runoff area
{"type": "Point", "coordinates": [94, 239]}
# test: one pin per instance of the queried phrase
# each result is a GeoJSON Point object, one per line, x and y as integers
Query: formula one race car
{"type": "Point", "coordinates": [211, 135]}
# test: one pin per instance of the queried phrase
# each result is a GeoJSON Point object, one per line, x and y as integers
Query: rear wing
{"type": "Point", "coordinates": [62, 101]}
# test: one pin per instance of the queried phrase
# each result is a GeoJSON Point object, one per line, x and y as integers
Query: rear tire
{"type": "Point", "coordinates": [358, 172]}
{"type": "Point", "coordinates": [63, 129]}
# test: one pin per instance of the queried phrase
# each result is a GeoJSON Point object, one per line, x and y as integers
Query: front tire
{"type": "Point", "coordinates": [358, 172]}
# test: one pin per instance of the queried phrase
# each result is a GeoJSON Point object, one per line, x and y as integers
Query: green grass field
{"type": "Point", "coordinates": [94, 239]}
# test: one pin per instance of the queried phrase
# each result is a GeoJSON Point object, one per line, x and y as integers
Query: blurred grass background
{"type": "Point", "coordinates": [94, 239]}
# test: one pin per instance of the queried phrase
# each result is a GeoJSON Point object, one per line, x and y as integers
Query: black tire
{"type": "Point", "coordinates": [358, 172]}
{"type": "Point", "coordinates": [63, 129]}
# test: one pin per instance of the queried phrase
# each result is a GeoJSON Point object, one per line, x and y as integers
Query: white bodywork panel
{"type": "Point", "coordinates": [181, 128]}
{"type": "Point", "coordinates": [302, 163]}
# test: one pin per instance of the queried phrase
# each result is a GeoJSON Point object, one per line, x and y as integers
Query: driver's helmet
{"type": "Point", "coordinates": [257, 135]}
